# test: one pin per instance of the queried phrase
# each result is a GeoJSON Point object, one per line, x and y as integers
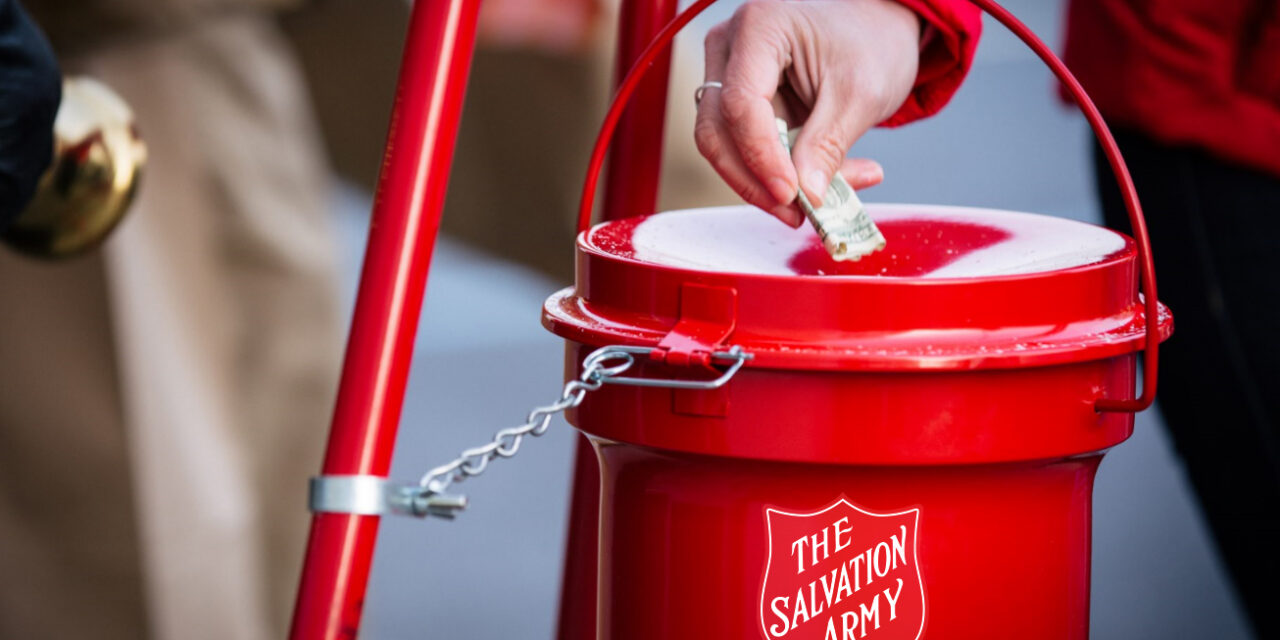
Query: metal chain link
{"type": "Point", "coordinates": [600, 365]}
{"type": "Point", "coordinates": [604, 366]}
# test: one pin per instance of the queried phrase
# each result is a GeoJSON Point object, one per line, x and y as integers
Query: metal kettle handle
{"type": "Point", "coordinates": [1147, 272]}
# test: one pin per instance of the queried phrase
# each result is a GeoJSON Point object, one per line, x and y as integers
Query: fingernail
{"type": "Point", "coordinates": [874, 173]}
{"type": "Point", "coordinates": [788, 214]}
{"type": "Point", "coordinates": [815, 182]}
{"type": "Point", "coordinates": [795, 219]}
{"type": "Point", "coordinates": [781, 191]}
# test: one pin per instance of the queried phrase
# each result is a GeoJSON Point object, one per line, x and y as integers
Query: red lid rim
{"type": "Point", "coordinates": [566, 315]}
{"type": "Point", "coordinates": [634, 294]}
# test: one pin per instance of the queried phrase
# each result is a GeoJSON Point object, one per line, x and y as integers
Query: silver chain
{"type": "Point", "coordinates": [604, 366]}
{"type": "Point", "coordinates": [506, 443]}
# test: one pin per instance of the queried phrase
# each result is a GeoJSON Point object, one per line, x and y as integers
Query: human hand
{"type": "Point", "coordinates": [838, 67]}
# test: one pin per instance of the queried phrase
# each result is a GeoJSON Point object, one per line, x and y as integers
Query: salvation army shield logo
{"type": "Point", "coordinates": [842, 573]}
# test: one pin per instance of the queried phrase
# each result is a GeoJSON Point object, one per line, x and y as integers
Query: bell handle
{"type": "Point", "coordinates": [98, 160]}
{"type": "Point", "coordinates": [1129, 194]}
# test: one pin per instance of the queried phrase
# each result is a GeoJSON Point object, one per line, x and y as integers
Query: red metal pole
{"type": "Point", "coordinates": [631, 189]}
{"type": "Point", "coordinates": [631, 182]}
{"type": "Point", "coordinates": [406, 215]}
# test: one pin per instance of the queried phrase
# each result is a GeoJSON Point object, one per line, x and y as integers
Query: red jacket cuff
{"type": "Point", "coordinates": [945, 59]}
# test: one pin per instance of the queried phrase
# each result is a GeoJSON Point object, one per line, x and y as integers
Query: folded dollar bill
{"type": "Point", "coordinates": [847, 232]}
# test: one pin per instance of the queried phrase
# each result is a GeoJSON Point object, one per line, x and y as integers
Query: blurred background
{"type": "Point", "coordinates": [323, 73]}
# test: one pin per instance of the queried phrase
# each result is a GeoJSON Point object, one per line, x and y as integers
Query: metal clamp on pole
{"type": "Point", "coordinates": [376, 496]}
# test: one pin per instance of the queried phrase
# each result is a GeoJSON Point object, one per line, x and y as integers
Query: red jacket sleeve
{"type": "Point", "coordinates": [945, 58]}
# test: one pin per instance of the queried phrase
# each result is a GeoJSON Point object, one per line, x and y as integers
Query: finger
{"type": "Point", "coordinates": [820, 149]}
{"type": "Point", "coordinates": [758, 54]}
{"type": "Point", "coordinates": [714, 143]}
{"type": "Point", "coordinates": [715, 54]}
{"type": "Point", "coordinates": [862, 173]}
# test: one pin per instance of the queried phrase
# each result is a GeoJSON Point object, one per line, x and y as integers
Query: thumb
{"type": "Point", "coordinates": [820, 149]}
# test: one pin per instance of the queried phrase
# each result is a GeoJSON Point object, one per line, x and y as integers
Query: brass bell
{"type": "Point", "coordinates": [97, 164]}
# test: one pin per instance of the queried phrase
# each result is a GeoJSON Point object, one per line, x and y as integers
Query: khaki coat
{"type": "Point", "coordinates": [163, 400]}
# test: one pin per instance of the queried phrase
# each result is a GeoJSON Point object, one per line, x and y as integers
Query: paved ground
{"type": "Point", "coordinates": [484, 360]}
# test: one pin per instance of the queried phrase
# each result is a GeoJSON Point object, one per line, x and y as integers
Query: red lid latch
{"type": "Point", "coordinates": [708, 315]}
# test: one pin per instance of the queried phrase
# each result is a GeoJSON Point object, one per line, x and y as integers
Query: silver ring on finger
{"type": "Point", "coordinates": [697, 93]}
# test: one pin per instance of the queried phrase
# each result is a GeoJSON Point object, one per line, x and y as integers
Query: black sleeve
{"type": "Point", "coordinates": [30, 90]}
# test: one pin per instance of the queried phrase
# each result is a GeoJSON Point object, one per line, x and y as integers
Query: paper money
{"type": "Point", "coordinates": [847, 231]}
